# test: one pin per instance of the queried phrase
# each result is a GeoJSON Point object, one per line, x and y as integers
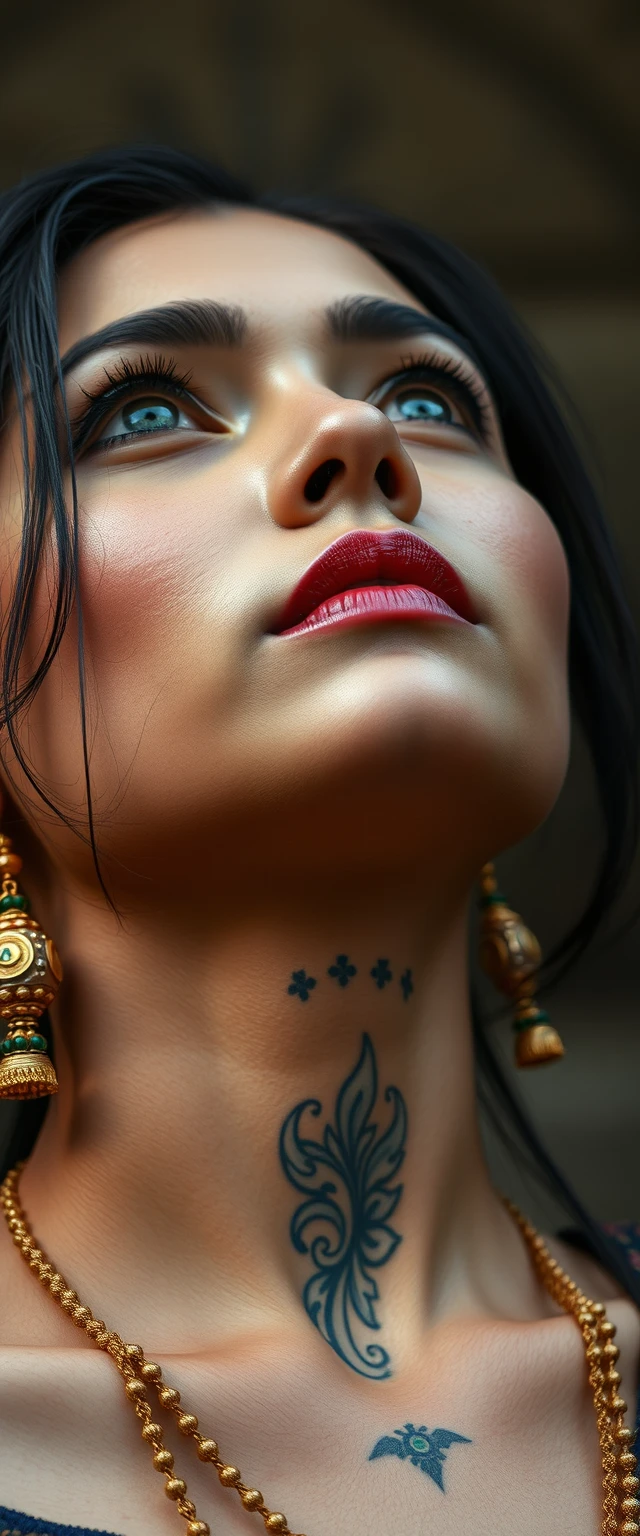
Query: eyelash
{"type": "Point", "coordinates": [157, 372]}
{"type": "Point", "coordinates": [161, 373]}
{"type": "Point", "coordinates": [452, 376]}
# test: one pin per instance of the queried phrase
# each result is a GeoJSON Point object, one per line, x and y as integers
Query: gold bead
{"type": "Point", "coordinates": [198, 1528]}
{"type": "Point", "coordinates": [151, 1431]}
{"type": "Point", "coordinates": [586, 1319]}
{"type": "Point", "coordinates": [618, 1405]}
{"type": "Point", "coordinates": [252, 1498]}
{"type": "Point", "coordinates": [628, 1461]}
{"type": "Point", "coordinates": [630, 1483]}
{"type": "Point", "coordinates": [135, 1389]}
{"type": "Point", "coordinates": [163, 1460]}
{"type": "Point", "coordinates": [10, 863]}
{"type": "Point", "coordinates": [598, 1308]}
{"type": "Point", "coordinates": [229, 1476]}
{"type": "Point", "coordinates": [175, 1488]}
{"type": "Point", "coordinates": [623, 1435]}
{"type": "Point", "coordinates": [134, 1353]}
{"type": "Point", "coordinates": [630, 1507]}
{"type": "Point", "coordinates": [150, 1371]}
{"type": "Point", "coordinates": [608, 1330]}
{"type": "Point", "coordinates": [169, 1397]}
{"type": "Point", "coordinates": [611, 1352]}
{"type": "Point", "coordinates": [207, 1450]}
{"type": "Point", "coordinates": [187, 1423]}
{"type": "Point", "coordinates": [276, 1522]}
{"type": "Point", "coordinates": [613, 1377]}
{"type": "Point", "coordinates": [629, 1528]}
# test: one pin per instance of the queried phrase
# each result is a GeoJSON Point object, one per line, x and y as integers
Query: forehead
{"type": "Point", "coordinates": [280, 270]}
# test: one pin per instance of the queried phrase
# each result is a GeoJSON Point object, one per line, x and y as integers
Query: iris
{"type": "Point", "coordinates": [421, 407]}
{"type": "Point", "coordinates": [150, 416]}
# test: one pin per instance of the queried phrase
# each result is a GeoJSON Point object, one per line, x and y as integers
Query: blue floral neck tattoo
{"type": "Point", "coordinates": [347, 1180]}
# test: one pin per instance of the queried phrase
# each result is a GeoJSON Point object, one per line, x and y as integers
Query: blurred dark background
{"type": "Point", "coordinates": [513, 128]}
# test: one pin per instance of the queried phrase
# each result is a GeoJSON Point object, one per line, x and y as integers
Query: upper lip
{"type": "Point", "coordinates": [363, 558]}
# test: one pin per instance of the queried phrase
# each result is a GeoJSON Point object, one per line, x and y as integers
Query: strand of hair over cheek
{"type": "Point", "coordinates": [35, 361]}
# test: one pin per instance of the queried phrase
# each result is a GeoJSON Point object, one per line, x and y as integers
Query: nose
{"type": "Point", "coordinates": [343, 452]}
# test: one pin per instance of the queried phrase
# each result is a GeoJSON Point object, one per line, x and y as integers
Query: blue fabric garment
{"type": "Point", "coordinates": [12, 1523]}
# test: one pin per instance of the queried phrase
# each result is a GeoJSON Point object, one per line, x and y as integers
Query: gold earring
{"type": "Point", "coordinates": [510, 954]}
{"type": "Point", "coordinates": [30, 974]}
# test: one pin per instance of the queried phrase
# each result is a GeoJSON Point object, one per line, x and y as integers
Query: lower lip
{"type": "Point", "coordinates": [375, 605]}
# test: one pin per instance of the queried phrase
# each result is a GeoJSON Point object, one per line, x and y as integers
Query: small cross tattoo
{"type": "Point", "coordinates": [381, 973]}
{"type": "Point", "coordinates": [301, 985]}
{"type": "Point", "coordinates": [342, 970]}
{"type": "Point", "coordinates": [406, 982]}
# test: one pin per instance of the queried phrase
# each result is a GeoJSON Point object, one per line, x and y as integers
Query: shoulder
{"type": "Point", "coordinates": [599, 1285]}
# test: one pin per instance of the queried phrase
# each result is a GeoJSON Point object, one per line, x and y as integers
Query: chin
{"type": "Point", "coordinates": [411, 754]}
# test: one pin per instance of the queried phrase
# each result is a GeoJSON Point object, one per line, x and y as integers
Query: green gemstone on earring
{"type": "Point", "coordinates": [7, 902]}
{"type": "Point", "coordinates": [5, 1047]}
{"type": "Point", "coordinates": [38, 1043]}
{"type": "Point", "coordinates": [539, 1017]}
{"type": "Point", "coordinates": [20, 1043]}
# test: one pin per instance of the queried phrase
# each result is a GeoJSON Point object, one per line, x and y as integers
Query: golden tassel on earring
{"type": "Point", "coordinates": [30, 973]}
{"type": "Point", "coordinates": [510, 954]}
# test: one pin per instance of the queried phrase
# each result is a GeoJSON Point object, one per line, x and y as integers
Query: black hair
{"type": "Point", "coordinates": [50, 217]}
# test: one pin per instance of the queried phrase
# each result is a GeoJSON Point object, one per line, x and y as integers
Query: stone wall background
{"type": "Point", "coordinates": [512, 128]}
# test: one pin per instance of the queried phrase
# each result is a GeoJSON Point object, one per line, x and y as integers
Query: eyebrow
{"type": "Point", "coordinates": [190, 322]}
{"type": "Point", "coordinates": [367, 319]}
{"type": "Point", "coordinates": [204, 322]}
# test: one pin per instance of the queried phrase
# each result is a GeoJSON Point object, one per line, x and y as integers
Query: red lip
{"type": "Point", "coordinates": [366, 575]}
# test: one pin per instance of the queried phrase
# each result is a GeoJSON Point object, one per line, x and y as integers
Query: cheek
{"type": "Point", "coordinates": [160, 648]}
{"type": "Point", "coordinates": [523, 579]}
{"type": "Point", "coordinates": [157, 576]}
{"type": "Point", "coordinates": [533, 572]}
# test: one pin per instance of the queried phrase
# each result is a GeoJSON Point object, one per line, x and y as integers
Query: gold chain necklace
{"type": "Point", "coordinates": [620, 1507]}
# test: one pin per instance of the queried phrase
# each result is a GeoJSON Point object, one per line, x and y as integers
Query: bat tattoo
{"type": "Point", "coordinates": [424, 1448]}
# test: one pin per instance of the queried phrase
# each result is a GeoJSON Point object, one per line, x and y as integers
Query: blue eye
{"type": "Point", "coordinates": [150, 416]}
{"type": "Point", "coordinates": [418, 405]}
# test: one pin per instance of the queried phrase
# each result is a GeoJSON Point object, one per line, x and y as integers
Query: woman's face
{"type": "Point", "coordinates": [222, 446]}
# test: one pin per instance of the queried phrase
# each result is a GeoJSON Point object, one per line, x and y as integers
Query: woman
{"type": "Point", "coordinates": [294, 542]}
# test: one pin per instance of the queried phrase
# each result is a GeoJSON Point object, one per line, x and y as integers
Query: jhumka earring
{"type": "Point", "coordinates": [510, 954]}
{"type": "Point", "coordinates": [30, 974]}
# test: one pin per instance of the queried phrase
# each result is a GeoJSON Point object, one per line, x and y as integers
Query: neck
{"type": "Point", "coordinates": [183, 1047]}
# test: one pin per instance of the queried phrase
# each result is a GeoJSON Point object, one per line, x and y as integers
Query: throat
{"type": "Point", "coordinates": [299, 1144]}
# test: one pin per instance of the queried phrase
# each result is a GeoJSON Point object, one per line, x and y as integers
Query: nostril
{"type": "Point", "coordinates": [386, 478]}
{"type": "Point", "coordinates": [318, 483]}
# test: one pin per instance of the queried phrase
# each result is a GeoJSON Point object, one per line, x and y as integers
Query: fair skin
{"type": "Point", "coordinates": [263, 804]}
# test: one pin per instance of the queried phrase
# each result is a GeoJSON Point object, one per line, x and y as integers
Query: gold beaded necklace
{"type": "Point", "coordinates": [620, 1508]}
